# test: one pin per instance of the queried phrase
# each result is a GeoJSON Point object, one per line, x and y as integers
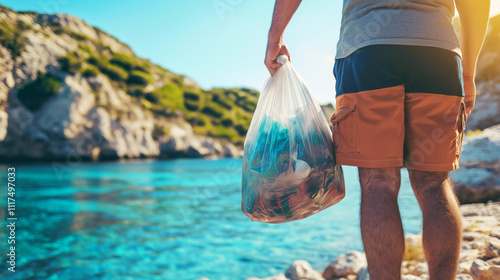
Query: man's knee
{"type": "Point", "coordinates": [421, 180]}
{"type": "Point", "coordinates": [380, 178]}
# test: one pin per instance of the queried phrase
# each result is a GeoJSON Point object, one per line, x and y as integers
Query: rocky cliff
{"type": "Point", "coordinates": [478, 178]}
{"type": "Point", "coordinates": [70, 89]}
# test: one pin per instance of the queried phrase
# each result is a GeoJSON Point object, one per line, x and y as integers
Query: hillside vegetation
{"type": "Point", "coordinates": [219, 113]}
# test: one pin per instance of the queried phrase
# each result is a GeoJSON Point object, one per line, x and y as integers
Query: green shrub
{"type": "Point", "coordinates": [213, 110]}
{"type": "Point", "coordinates": [136, 91]}
{"type": "Point", "coordinates": [32, 13]}
{"type": "Point", "coordinates": [87, 49]}
{"type": "Point", "coordinates": [139, 78]}
{"type": "Point", "coordinates": [56, 27]}
{"type": "Point", "coordinates": [227, 122]}
{"type": "Point", "coordinates": [192, 96]}
{"type": "Point", "coordinates": [221, 101]}
{"type": "Point", "coordinates": [99, 31]}
{"type": "Point", "coordinates": [248, 105]}
{"type": "Point", "coordinates": [223, 132]}
{"type": "Point", "coordinates": [89, 71]}
{"type": "Point", "coordinates": [171, 96]}
{"type": "Point", "coordinates": [178, 80]}
{"type": "Point", "coordinates": [96, 61]}
{"type": "Point", "coordinates": [124, 61]}
{"type": "Point", "coordinates": [112, 71]}
{"type": "Point", "coordinates": [144, 67]}
{"type": "Point", "coordinates": [70, 63]}
{"type": "Point", "coordinates": [241, 129]}
{"type": "Point", "coordinates": [12, 38]}
{"type": "Point", "coordinates": [23, 26]}
{"type": "Point", "coordinates": [251, 92]}
{"type": "Point", "coordinates": [151, 97]}
{"type": "Point", "coordinates": [34, 94]}
{"type": "Point", "coordinates": [216, 121]}
{"type": "Point", "coordinates": [191, 104]}
{"type": "Point", "coordinates": [232, 94]}
{"type": "Point", "coordinates": [159, 130]}
{"type": "Point", "coordinates": [78, 36]}
{"type": "Point", "coordinates": [199, 120]}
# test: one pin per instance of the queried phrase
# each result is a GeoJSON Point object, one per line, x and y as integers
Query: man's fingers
{"type": "Point", "coordinates": [273, 68]}
{"type": "Point", "coordinates": [284, 50]}
{"type": "Point", "coordinates": [271, 71]}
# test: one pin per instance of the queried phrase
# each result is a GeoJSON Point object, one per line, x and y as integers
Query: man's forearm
{"type": "Point", "coordinates": [283, 12]}
{"type": "Point", "coordinates": [474, 16]}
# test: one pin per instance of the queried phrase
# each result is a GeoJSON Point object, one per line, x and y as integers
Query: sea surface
{"type": "Point", "coordinates": [177, 219]}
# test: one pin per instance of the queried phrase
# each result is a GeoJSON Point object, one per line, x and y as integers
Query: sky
{"type": "Point", "coordinates": [217, 43]}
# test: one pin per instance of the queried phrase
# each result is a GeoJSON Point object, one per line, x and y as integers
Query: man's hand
{"type": "Point", "coordinates": [274, 49]}
{"type": "Point", "coordinates": [470, 93]}
{"type": "Point", "coordinates": [283, 12]}
{"type": "Point", "coordinates": [474, 22]}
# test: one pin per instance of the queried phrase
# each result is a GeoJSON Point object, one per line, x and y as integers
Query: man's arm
{"type": "Point", "coordinates": [283, 12]}
{"type": "Point", "coordinates": [474, 15]}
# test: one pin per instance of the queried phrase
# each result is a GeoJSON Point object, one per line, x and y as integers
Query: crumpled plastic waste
{"type": "Point", "coordinates": [289, 170]}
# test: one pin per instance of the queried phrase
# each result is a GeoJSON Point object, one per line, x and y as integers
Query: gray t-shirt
{"type": "Point", "coordinates": [400, 22]}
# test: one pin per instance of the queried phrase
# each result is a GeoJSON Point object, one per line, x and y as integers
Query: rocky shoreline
{"type": "Point", "coordinates": [479, 258]}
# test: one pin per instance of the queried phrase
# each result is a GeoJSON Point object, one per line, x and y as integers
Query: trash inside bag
{"type": "Point", "coordinates": [289, 170]}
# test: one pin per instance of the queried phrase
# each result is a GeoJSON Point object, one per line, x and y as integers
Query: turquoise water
{"type": "Point", "coordinates": [178, 219]}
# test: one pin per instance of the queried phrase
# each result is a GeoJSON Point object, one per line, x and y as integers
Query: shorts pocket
{"type": "Point", "coordinates": [345, 129]}
{"type": "Point", "coordinates": [461, 128]}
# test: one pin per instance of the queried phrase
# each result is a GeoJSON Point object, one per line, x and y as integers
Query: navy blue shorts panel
{"type": "Point", "coordinates": [420, 69]}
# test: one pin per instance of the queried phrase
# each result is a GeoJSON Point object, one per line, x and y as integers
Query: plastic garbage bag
{"type": "Point", "coordinates": [289, 170]}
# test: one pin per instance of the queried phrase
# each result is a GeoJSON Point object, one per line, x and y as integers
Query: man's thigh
{"type": "Point", "coordinates": [368, 126]}
{"type": "Point", "coordinates": [392, 110]}
{"type": "Point", "coordinates": [434, 109]}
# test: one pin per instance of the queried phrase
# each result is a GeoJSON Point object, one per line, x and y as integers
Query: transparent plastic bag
{"type": "Point", "coordinates": [289, 170]}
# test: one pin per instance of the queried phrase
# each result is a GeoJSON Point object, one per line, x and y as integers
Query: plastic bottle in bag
{"type": "Point", "coordinates": [289, 170]}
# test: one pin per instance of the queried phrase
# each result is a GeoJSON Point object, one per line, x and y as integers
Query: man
{"type": "Point", "coordinates": [405, 86]}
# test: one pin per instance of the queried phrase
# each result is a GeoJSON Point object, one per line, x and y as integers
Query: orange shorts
{"type": "Point", "coordinates": [399, 106]}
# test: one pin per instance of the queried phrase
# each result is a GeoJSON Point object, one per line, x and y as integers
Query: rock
{"type": "Point", "coordinates": [190, 82]}
{"type": "Point", "coordinates": [471, 236]}
{"type": "Point", "coordinates": [280, 276]}
{"type": "Point", "coordinates": [410, 277]}
{"type": "Point", "coordinates": [4, 120]}
{"type": "Point", "coordinates": [495, 233]}
{"type": "Point", "coordinates": [479, 270]}
{"type": "Point", "coordinates": [493, 249]}
{"type": "Point", "coordinates": [363, 274]}
{"type": "Point", "coordinates": [464, 267]}
{"type": "Point", "coordinates": [345, 264]}
{"type": "Point", "coordinates": [182, 142]}
{"type": "Point", "coordinates": [302, 270]}
{"type": "Point", "coordinates": [494, 262]}
{"type": "Point", "coordinates": [424, 276]}
{"type": "Point", "coordinates": [478, 179]}
{"type": "Point", "coordinates": [486, 108]}
{"type": "Point", "coordinates": [418, 269]}
{"type": "Point", "coordinates": [464, 277]}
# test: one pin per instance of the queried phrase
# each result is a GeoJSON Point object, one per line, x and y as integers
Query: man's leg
{"type": "Point", "coordinates": [381, 227]}
{"type": "Point", "coordinates": [442, 229]}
